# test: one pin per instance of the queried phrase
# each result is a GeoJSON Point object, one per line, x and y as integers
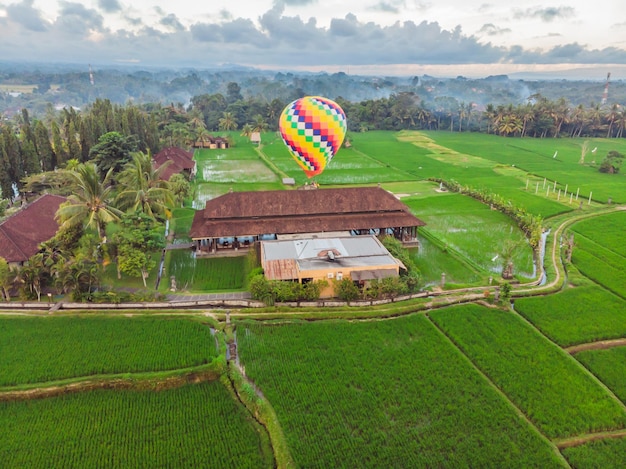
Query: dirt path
{"type": "Point", "coordinates": [599, 345]}
{"type": "Point", "coordinates": [581, 440]}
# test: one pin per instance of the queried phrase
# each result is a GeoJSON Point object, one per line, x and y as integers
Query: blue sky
{"type": "Point", "coordinates": [356, 36]}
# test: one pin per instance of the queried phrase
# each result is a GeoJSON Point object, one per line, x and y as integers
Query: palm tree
{"type": "Point", "coordinates": [228, 122]}
{"type": "Point", "coordinates": [90, 203]}
{"type": "Point", "coordinates": [510, 124]}
{"type": "Point", "coordinates": [246, 130]}
{"type": "Point", "coordinates": [620, 121]}
{"type": "Point", "coordinates": [612, 116]}
{"type": "Point", "coordinates": [143, 189]}
{"type": "Point", "coordinates": [259, 124]}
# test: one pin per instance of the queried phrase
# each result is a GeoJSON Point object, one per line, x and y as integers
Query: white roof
{"type": "Point", "coordinates": [313, 254]}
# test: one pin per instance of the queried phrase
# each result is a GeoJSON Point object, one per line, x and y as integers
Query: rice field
{"type": "Point", "coordinates": [204, 274]}
{"type": "Point", "coordinates": [389, 393]}
{"type": "Point", "coordinates": [485, 236]}
{"type": "Point", "coordinates": [44, 349]}
{"type": "Point", "coordinates": [599, 251]}
{"type": "Point", "coordinates": [609, 365]}
{"type": "Point", "coordinates": [540, 378]}
{"type": "Point", "coordinates": [193, 426]}
{"type": "Point", "coordinates": [576, 315]}
{"type": "Point", "coordinates": [603, 454]}
{"type": "Point", "coordinates": [555, 159]}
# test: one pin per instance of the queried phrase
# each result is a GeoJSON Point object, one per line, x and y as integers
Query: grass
{"type": "Point", "coordinates": [192, 426]}
{"type": "Point", "coordinates": [609, 365]}
{"type": "Point", "coordinates": [471, 228]}
{"type": "Point", "coordinates": [384, 394]}
{"type": "Point", "coordinates": [541, 379]}
{"type": "Point", "coordinates": [204, 274]}
{"type": "Point", "coordinates": [604, 454]}
{"type": "Point", "coordinates": [432, 261]}
{"type": "Point", "coordinates": [127, 282]}
{"type": "Point", "coordinates": [55, 348]}
{"type": "Point", "coordinates": [536, 157]}
{"type": "Point", "coordinates": [576, 315]}
{"type": "Point", "coordinates": [600, 264]}
{"type": "Point", "coordinates": [180, 224]}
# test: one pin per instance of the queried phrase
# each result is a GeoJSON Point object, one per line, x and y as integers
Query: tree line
{"type": "Point", "coordinates": [29, 146]}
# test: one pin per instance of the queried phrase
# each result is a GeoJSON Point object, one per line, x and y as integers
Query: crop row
{"type": "Point", "coordinates": [205, 274]}
{"type": "Point", "coordinates": [474, 230]}
{"type": "Point", "coordinates": [607, 230]}
{"type": "Point", "coordinates": [389, 393]}
{"type": "Point", "coordinates": [601, 265]}
{"type": "Point", "coordinates": [576, 315]}
{"type": "Point", "coordinates": [609, 366]}
{"type": "Point", "coordinates": [53, 348]}
{"type": "Point", "coordinates": [541, 379]}
{"type": "Point", "coordinates": [193, 426]}
{"type": "Point", "coordinates": [602, 454]}
{"type": "Point", "coordinates": [537, 156]}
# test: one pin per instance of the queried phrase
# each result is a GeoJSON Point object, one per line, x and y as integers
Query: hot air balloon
{"type": "Point", "coordinates": [313, 128]}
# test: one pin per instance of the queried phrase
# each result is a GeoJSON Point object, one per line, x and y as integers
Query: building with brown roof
{"type": "Point", "coordinates": [23, 232]}
{"type": "Point", "coordinates": [180, 161]}
{"type": "Point", "coordinates": [252, 216]}
{"type": "Point", "coordinates": [211, 142]}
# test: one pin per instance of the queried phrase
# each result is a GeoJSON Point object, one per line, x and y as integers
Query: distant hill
{"type": "Point", "coordinates": [36, 87]}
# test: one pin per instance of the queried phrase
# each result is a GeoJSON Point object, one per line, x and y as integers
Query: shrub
{"type": "Point", "coordinates": [346, 290]}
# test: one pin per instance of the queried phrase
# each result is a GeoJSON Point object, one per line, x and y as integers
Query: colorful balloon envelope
{"type": "Point", "coordinates": [313, 128]}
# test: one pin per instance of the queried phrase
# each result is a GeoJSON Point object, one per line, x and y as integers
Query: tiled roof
{"type": "Point", "coordinates": [180, 160]}
{"type": "Point", "coordinates": [282, 212]}
{"type": "Point", "coordinates": [23, 232]}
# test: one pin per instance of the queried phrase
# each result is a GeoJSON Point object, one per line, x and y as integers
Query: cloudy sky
{"type": "Point", "coordinates": [479, 37]}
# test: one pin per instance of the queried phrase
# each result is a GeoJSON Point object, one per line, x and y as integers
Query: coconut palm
{"type": "Point", "coordinates": [228, 122]}
{"type": "Point", "coordinates": [143, 189]}
{"type": "Point", "coordinates": [259, 124]}
{"type": "Point", "coordinates": [246, 130]}
{"type": "Point", "coordinates": [90, 203]}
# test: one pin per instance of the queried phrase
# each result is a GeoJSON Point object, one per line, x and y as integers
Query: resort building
{"type": "Point", "coordinates": [180, 162]}
{"type": "Point", "coordinates": [239, 219]}
{"type": "Point", "coordinates": [23, 232]}
{"type": "Point", "coordinates": [359, 258]}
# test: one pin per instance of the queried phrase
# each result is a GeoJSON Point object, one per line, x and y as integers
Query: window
{"type": "Point", "coordinates": [339, 275]}
{"type": "Point", "coordinates": [330, 275]}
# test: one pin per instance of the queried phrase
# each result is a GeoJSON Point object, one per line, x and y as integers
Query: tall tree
{"type": "Point", "coordinates": [143, 189]}
{"type": "Point", "coordinates": [57, 144]}
{"type": "Point", "coordinates": [73, 146]}
{"type": "Point", "coordinates": [113, 151]}
{"type": "Point", "coordinates": [6, 278]}
{"type": "Point", "coordinates": [233, 92]}
{"type": "Point", "coordinates": [14, 155]}
{"type": "Point", "coordinates": [139, 237]}
{"type": "Point", "coordinates": [44, 147]}
{"type": "Point", "coordinates": [90, 204]}
{"type": "Point", "coordinates": [228, 122]}
{"type": "Point", "coordinates": [6, 183]}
